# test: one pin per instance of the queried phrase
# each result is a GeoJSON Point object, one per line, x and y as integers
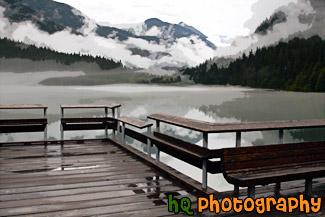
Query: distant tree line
{"type": "Point", "coordinates": [165, 80]}
{"type": "Point", "coordinates": [298, 65]}
{"type": "Point", "coordinates": [12, 49]}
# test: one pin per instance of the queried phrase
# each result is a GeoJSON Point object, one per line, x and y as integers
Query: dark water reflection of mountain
{"type": "Point", "coordinates": [273, 105]}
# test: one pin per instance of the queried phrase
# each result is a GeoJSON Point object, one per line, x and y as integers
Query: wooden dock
{"type": "Point", "coordinates": [108, 177]}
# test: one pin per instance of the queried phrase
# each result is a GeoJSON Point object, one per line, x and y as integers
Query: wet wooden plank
{"type": "Point", "coordinates": [24, 106]}
{"type": "Point", "coordinates": [60, 207]}
{"type": "Point", "coordinates": [135, 122]}
{"type": "Point", "coordinates": [84, 190]}
{"type": "Point", "coordinates": [140, 181]}
{"type": "Point", "coordinates": [75, 106]}
{"type": "Point", "coordinates": [55, 179]}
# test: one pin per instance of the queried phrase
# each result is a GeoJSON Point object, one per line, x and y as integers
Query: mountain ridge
{"type": "Point", "coordinates": [49, 23]}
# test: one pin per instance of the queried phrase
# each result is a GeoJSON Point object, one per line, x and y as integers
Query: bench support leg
{"type": "Point", "coordinates": [106, 132]}
{"type": "Point", "coordinates": [158, 126]}
{"type": "Point", "coordinates": [45, 134]}
{"type": "Point", "coordinates": [308, 186]}
{"type": "Point", "coordinates": [118, 112]}
{"type": "Point", "coordinates": [118, 131]}
{"type": "Point", "coordinates": [106, 114]}
{"type": "Point", "coordinates": [205, 174]}
{"type": "Point", "coordinates": [205, 140]}
{"type": "Point", "coordinates": [157, 149]}
{"type": "Point", "coordinates": [123, 133]}
{"type": "Point", "coordinates": [236, 190]}
{"type": "Point", "coordinates": [149, 143]}
{"type": "Point", "coordinates": [62, 133]}
{"type": "Point", "coordinates": [157, 155]}
{"type": "Point", "coordinates": [238, 139]}
{"type": "Point", "coordinates": [45, 129]}
{"type": "Point", "coordinates": [277, 188]}
{"type": "Point", "coordinates": [251, 192]}
{"type": "Point", "coordinates": [280, 136]}
{"type": "Point", "coordinates": [113, 116]}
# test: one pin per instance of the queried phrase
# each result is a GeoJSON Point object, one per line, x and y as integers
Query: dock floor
{"type": "Point", "coordinates": [88, 179]}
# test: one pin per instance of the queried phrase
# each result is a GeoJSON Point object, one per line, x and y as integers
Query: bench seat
{"type": "Point", "coordinates": [261, 165]}
{"type": "Point", "coordinates": [266, 176]}
{"type": "Point", "coordinates": [72, 124]}
{"type": "Point", "coordinates": [22, 125]}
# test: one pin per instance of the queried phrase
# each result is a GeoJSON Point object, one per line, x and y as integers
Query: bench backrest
{"type": "Point", "coordinates": [272, 155]}
{"type": "Point", "coordinates": [187, 152]}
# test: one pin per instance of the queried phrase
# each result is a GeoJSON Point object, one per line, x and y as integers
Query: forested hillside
{"type": "Point", "coordinates": [11, 49]}
{"type": "Point", "coordinates": [298, 65]}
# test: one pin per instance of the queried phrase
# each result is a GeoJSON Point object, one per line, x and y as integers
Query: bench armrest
{"type": "Point", "coordinates": [134, 122]}
{"type": "Point", "coordinates": [76, 106]}
{"type": "Point", "coordinates": [23, 106]}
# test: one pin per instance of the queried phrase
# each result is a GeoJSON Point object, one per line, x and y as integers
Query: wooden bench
{"type": "Point", "coordinates": [190, 153]}
{"type": "Point", "coordinates": [140, 124]}
{"type": "Point", "coordinates": [207, 127]}
{"type": "Point", "coordinates": [262, 165]}
{"type": "Point", "coordinates": [90, 123]}
{"type": "Point", "coordinates": [24, 125]}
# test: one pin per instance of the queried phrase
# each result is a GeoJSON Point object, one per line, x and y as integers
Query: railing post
{"type": "Point", "coordinates": [123, 133]}
{"type": "Point", "coordinates": [205, 174]}
{"type": "Point", "coordinates": [113, 113]}
{"type": "Point", "coordinates": [106, 132]}
{"type": "Point", "coordinates": [238, 144]}
{"type": "Point", "coordinates": [113, 116]}
{"type": "Point", "coordinates": [236, 190]}
{"type": "Point", "coordinates": [308, 186]}
{"type": "Point", "coordinates": [149, 143]}
{"type": "Point", "coordinates": [157, 155]}
{"type": "Point", "coordinates": [118, 112]}
{"type": "Point", "coordinates": [62, 131]}
{"type": "Point", "coordinates": [205, 139]}
{"type": "Point", "coordinates": [238, 139]}
{"type": "Point", "coordinates": [277, 188]}
{"type": "Point", "coordinates": [205, 163]}
{"type": "Point", "coordinates": [45, 129]}
{"type": "Point", "coordinates": [158, 126]}
{"type": "Point", "coordinates": [251, 192]}
{"type": "Point", "coordinates": [118, 133]}
{"type": "Point", "coordinates": [157, 149]}
{"type": "Point", "coordinates": [280, 136]}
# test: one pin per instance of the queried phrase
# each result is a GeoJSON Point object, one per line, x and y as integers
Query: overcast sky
{"type": "Point", "coordinates": [212, 17]}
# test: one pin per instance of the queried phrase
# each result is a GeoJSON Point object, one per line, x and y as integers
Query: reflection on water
{"type": "Point", "coordinates": [206, 103]}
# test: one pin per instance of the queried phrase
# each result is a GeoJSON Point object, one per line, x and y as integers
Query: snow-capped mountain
{"type": "Point", "coordinates": [302, 19]}
{"type": "Point", "coordinates": [153, 45]}
{"type": "Point", "coordinates": [168, 32]}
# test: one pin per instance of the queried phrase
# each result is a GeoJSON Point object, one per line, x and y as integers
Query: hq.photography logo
{"type": "Point", "coordinates": [259, 205]}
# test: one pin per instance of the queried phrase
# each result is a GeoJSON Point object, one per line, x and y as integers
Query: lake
{"type": "Point", "coordinates": [218, 104]}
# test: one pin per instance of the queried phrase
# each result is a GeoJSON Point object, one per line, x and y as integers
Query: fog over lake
{"type": "Point", "coordinates": [218, 104]}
